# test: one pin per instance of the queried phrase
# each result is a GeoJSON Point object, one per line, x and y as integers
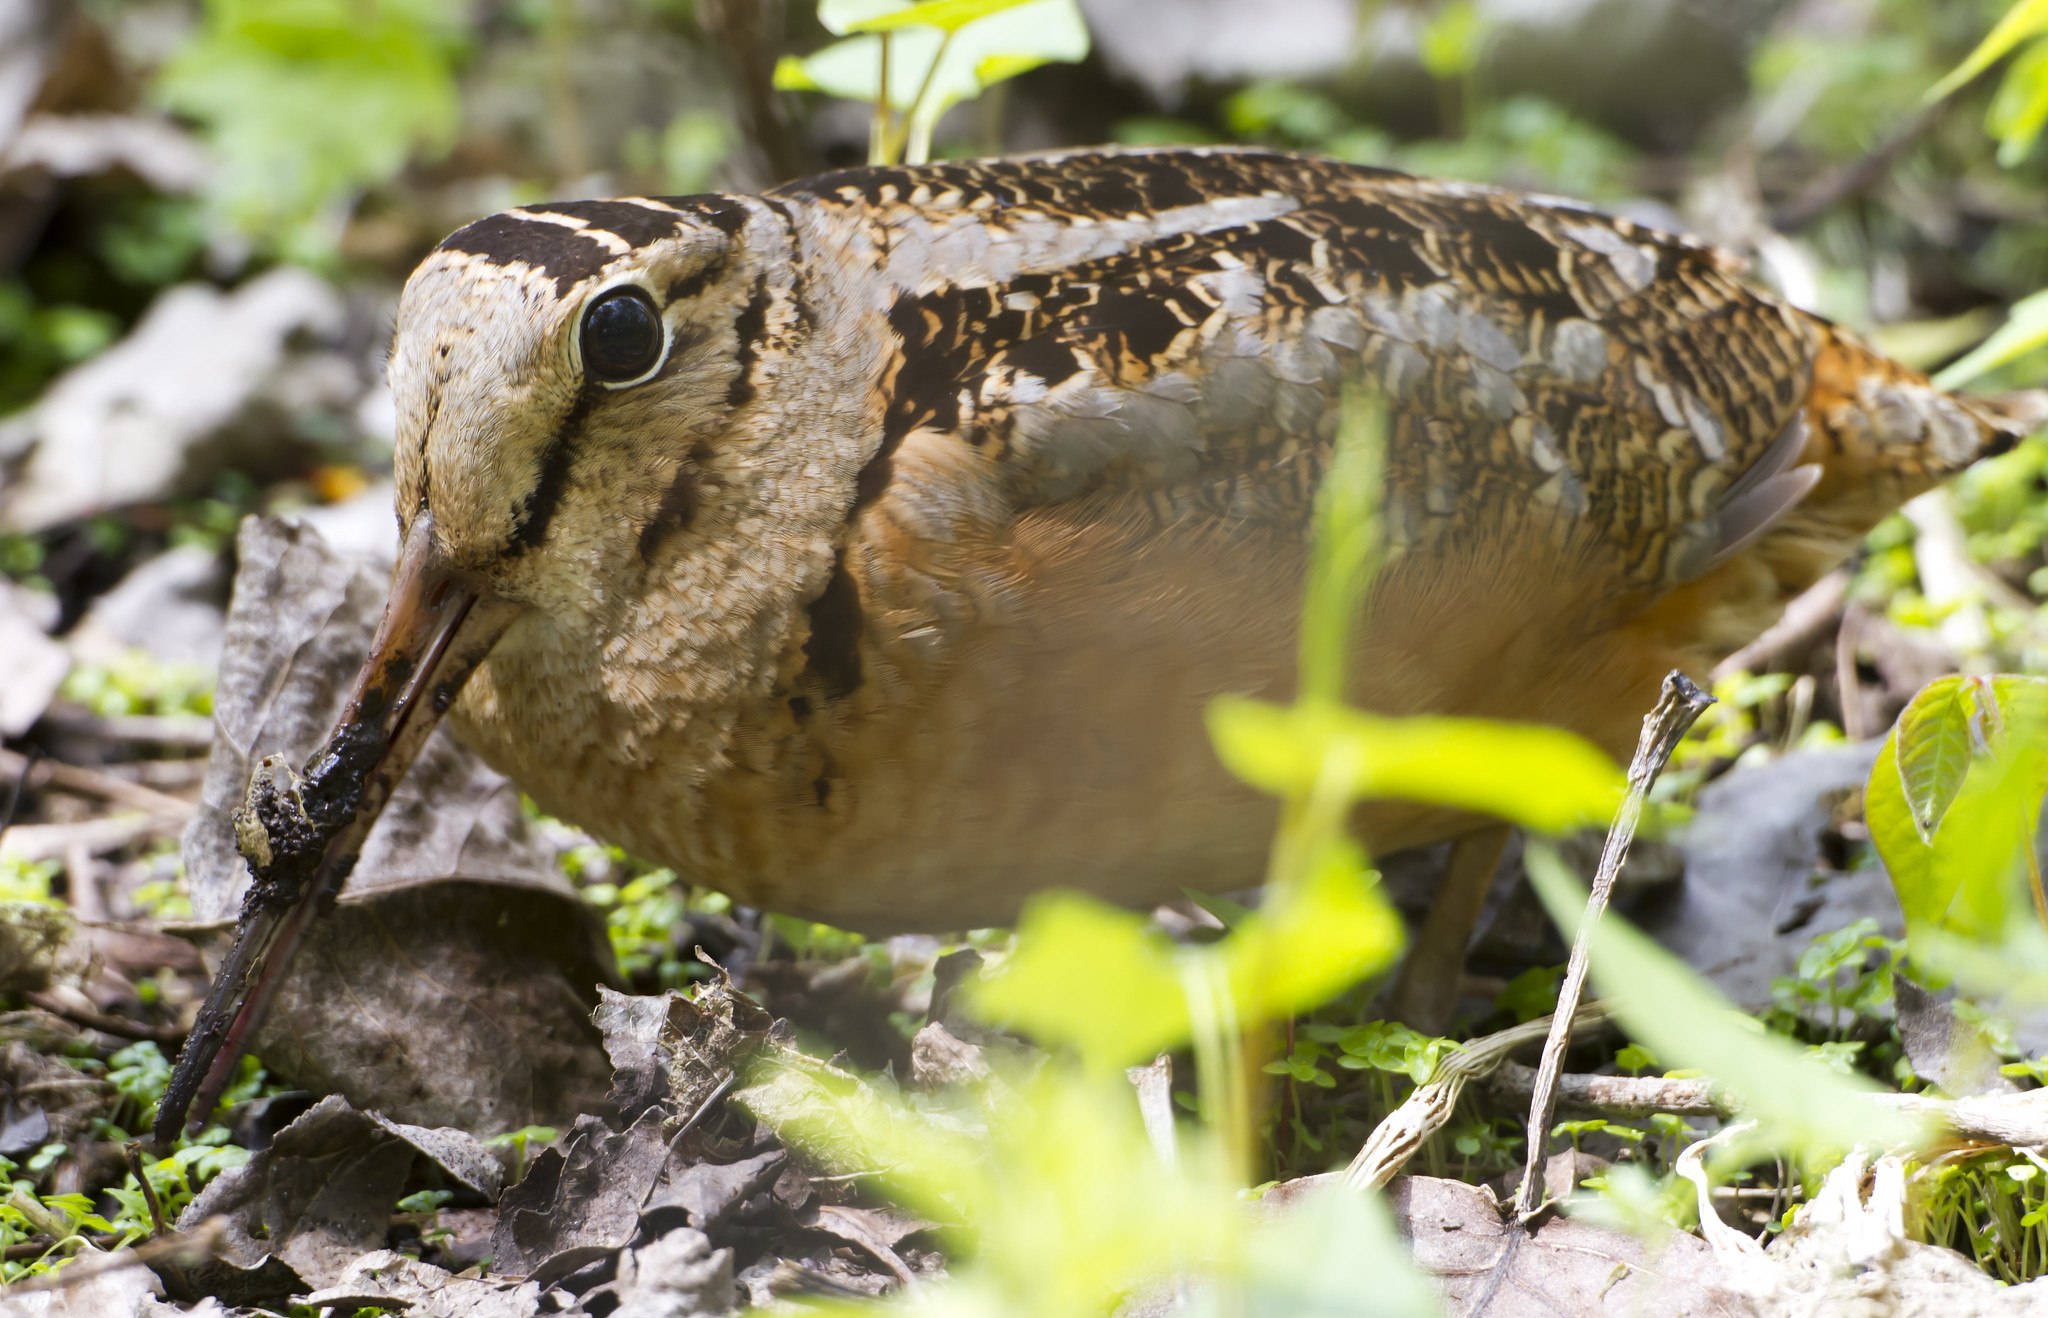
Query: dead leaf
{"type": "Point", "coordinates": [939, 1059]}
{"type": "Point", "coordinates": [708, 1039]}
{"type": "Point", "coordinates": [581, 1201]}
{"type": "Point", "coordinates": [38, 947]}
{"type": "Point", "coordinates": [1566, 1267]}
{"type": "Point", "coordinates": [467, 963]}
{"type": "Point", "coordinates": [37, 1087]}
{"type": "Point", "coordinates": [631, 1027]}
{"type": "Point", "coordinates": [170, 605]}
{"type": "Point", "coordinates": [876, 1231]}
{"type": "Point", "coordinates": [389, 1280]}
{"type": "Point", "coordinates": [206, 380]}
{"type": "Point", "coordinates": [676, 1276]}
{"type": "Point", "coordinates": [94, 1285]}
{"type": "Point", "coordinates": [704, 1195]}
{"type": "Point", "coordinates": [301, 1212]}
{"type": "Point", "coordinates": [1942, 1047]}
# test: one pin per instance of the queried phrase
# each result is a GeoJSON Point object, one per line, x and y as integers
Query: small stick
{"type": "Point", "coordinates": [91, 782]}
{"type": "Point", "coordinates": [1807, 620]}
{"type": "Point", "coordinates": [97, 836]}
{"type": "Point", "coordinates": [1404, 1130]}
{"type": "Point", "coordinates": [121, 1027]}
{"type": "Point", "coordinates": [132, 1149]}
{"type": "Point", "coordinates": [183, 732]}
{"type": "Point", "coordinates": [82, 884]}
{"type": "Point", "coordinates": [1680, 704]}
{"type": "Point", "coordinates": [1622, 1095]}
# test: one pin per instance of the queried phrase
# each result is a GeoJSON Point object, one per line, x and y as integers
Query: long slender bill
{"type": "Point", "coordinates": [301, 833]}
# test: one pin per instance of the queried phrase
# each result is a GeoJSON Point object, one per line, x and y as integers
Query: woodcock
{"type": "Point", "coordinates": [868, 549]}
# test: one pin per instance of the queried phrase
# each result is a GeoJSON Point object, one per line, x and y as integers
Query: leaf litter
{"type": "Point", "coordinates": [467, 962]}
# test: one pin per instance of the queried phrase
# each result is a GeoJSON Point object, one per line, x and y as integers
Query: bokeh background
{"type": "Point", "coordinates": [208, 207]}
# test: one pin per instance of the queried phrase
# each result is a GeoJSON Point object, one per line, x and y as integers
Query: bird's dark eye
{"type": "Point", "coordinates": [621, 336]}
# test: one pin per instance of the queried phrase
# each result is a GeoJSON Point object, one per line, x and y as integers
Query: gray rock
{"type": "Point", "coordinates": [35, 665]}
{"type": "Point", "coordinates": [170, 605]}
{"type": "Point", "coordinates": [207, 378]}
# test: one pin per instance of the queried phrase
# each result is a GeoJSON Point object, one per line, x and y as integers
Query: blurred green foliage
{"type": "Point", "coordinates": [913, 60]}
{"type": "Point", "coordinates": [307, 101]}
{"type": "Point", "coordinates": [137, 682]}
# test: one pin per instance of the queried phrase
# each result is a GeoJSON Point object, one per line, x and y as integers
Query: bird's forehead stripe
{"type": "Point", "coordinates": [570, 241]}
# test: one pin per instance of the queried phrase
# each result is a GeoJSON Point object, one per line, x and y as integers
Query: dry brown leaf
{"type": "Point", "coordinates": [452, 985]}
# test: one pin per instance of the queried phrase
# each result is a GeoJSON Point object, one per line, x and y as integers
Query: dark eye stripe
{"type": "Point", "coordinates": [551, 482]}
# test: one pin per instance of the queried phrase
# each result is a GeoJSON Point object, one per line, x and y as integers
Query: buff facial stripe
{"type": "Point", "coordinates": [571, 241]}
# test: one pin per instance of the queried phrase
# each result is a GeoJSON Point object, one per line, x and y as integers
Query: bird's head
{"type": "Point", "coordinates": [567, 379]}
{"type": "Point", "coordinates": [590, 396]}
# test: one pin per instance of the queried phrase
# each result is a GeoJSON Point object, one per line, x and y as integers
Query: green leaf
{"type": "Point", "coordinates": [1933, 751]}
{"type": "Point", "coordinates": [1002, 68]}
{"type": "Point", "coordinates": [1316, 938]}
{"type": "Point", "coordinates": [1019, 37]}
{"type": "Point", "coordinates": [2028, 18]}
{"type": "Point", "coordinates": [1091, 976]}
{"type": "Point", "coordinates": [1908, 857]}
{"type": "Point", "coordinates": [945, 15]}
{"type": "Point", "coordinates": [2025, 330]}
{"type": "Point", "coordinates": [1345, 548]}
{"type": "Point", "coordinates": [793, 74]}
{"type": "Point", "coordinates": [2020, 108]}
{"type": "Point", "coordinates": [1800, 1104]}
{"type": "Point", "coordinates": [1540, 778]}
{"type": "Point", "coordinates": [1956, 850]}
{"type": "Point", "coordinates": [309, 101]}
{"type": "Point", "coordinates": [1450, 45]}
{"type": "Point", "coordinates": [1102, 981]}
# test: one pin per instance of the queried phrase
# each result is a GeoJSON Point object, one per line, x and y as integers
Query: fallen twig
{"type": "Point", "coordinates": [183, 731]}
{"type": "Point", "coordinates": [91, 1018]}
{"type": "Point", "coordinates": [1397, 1138]}
{"type": "Point", "coordinates": [1806, 621]}
{"type": "Point", "coordinates": [98, 836]}
{"type": "Point", "coordinates": [90, 782]}
{"type": "Point", "coordinates": [132, 1151]}
{"type": "Point", "coordinates": [1681, 703]}
{"type": "Point", "coordinates": [170, 1251]}
{"type": "Point", "coordinates": [1622, 1095]}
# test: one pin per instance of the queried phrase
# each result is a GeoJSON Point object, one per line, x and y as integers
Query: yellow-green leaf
{"type": "Point", "coordinates": [1091, 976]}
{"type": "Point", "coordinates": [1541, 778]}
{"type": "Point", "coordinates": [1933, 751]}
{"type": "Point", "coordinates": [1316, 938]}
{"type": "Point", "coordinates": [945, 15]}
{"type": "Point", "coordinates": [1908, 857]}
{"type": "Point", "coordinates": [2025, 330]}
{"type": "Point", "coordinates": [2021, 106]}
{"type": "Point", "coordinates": [2028, 18]}
{"type": "Point", "coordinates": [1955, 847]}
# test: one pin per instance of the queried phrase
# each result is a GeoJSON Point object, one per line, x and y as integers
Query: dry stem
{"type": "Point", "coordinates": [1680, 704]}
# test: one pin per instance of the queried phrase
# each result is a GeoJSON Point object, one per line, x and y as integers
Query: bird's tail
{"type": "Point", "coordinates": [1882, 432]}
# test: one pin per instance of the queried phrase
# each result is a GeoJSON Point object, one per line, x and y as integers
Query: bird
{"type": "Point", "coordinates": [869, 548]}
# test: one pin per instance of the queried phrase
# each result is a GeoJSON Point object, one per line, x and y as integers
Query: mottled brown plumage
{"type": "Point", "coordinates": [869, 549]}
{"type": "Point", "coordinates": [895, 593]}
